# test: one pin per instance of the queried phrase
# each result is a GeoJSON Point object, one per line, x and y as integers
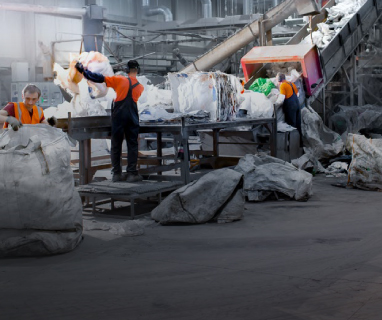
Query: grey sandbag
{"type": "Point", "coordinates": [40, 210]}
{"type": "Point", "coordinates": [200, 200]}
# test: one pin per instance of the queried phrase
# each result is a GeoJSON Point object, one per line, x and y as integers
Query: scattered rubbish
{"type": "Point", "coordinates": [309, 162]}
{"type": "Point", "coordinates": [338, 167]}
{"type": "Point", "coordinates": [129, 228]}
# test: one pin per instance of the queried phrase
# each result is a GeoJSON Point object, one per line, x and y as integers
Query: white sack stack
{"type": "Point", "coordinates": [215, 92]}
{"type": "Point", "coordinates": [264, 175]}
{"type": "Point", "coordinates": [40, 210]}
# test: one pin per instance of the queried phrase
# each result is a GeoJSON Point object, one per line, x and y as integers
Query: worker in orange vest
{"type": "Point", "coordinates": [26, 112]}
{"type": "Point", "coordinates": [291, 104]}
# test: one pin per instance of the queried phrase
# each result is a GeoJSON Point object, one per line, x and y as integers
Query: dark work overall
{"type": "Point", "coordinates": [292, 111]}
{"type": "Point", "coordinates": [125, 124]}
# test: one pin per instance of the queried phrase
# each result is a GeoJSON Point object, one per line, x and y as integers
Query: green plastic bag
{"type": "Point", "coordinates": [262, 85]}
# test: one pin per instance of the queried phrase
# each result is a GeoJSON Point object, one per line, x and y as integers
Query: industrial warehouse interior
{"type": "Point", "coordinates": [200, 159]}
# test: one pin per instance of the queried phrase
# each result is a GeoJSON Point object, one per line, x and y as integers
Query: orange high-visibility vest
{"type": "Point", "coordinates": [22, 114]}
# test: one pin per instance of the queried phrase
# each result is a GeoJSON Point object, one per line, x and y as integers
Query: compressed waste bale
{"type": "Point", "coordinates": [264, 174]}
{"type": "Point", "coordinates": [215, 92]}
{"type": "Point", "coordinates": [365, 170]}
{"type": "Point", "coordinates": [40, 210]}
{"type": "Point", "coordinates": [200, 200]}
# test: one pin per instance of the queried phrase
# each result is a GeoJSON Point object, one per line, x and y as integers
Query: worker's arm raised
{"type": "Point", "coordinates": [92, 76]}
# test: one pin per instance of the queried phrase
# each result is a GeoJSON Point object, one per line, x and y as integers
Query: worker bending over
{"type": "Point", "coordinates": [124, 118]}
{"type": "Point", "coordinates": [291, 105]}
{"type": "Point", "coordinates": [16, 114]}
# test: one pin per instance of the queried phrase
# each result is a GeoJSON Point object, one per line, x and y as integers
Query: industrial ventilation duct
{"type": "Point", "coordinates": [155, 11]}
{"type": "Point", "coordinates": [206, 8]}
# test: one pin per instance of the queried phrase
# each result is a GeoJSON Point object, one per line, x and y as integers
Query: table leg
{"type": "Point", "coordinates": [159, 149]}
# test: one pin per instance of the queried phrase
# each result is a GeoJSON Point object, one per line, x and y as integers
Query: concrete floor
{"type": "Point", "coordinates": [320, 259]}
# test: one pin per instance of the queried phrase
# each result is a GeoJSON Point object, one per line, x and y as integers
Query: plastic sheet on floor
{"type": "Point", "coordinates": [129, 228]}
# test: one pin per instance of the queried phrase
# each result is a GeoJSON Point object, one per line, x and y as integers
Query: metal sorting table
{"type": "Point", "coordinates": [84, 129]}
{"type": "Point", "coordinates": [124, 191]}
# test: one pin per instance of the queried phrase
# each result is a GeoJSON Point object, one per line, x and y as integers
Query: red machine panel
{"type": "Point", "coordinates": [306, 54]}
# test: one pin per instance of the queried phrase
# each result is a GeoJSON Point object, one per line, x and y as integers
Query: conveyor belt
{"type": "Point", "coordinates": [344, 44]}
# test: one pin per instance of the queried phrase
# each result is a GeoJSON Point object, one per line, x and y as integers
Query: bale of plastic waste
{"type": "Point", "coordinates": [40, 210]}
{"type": "Point", "coordinates": [365, 170]}
{"type": "Point", "coordinates": [203, 200]}
{"type": "Point", "coordinates": [264, 175]}
{"type": "Point", "coordinates": [215, 92]}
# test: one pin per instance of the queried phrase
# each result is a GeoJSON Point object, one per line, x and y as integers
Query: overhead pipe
{"type": "Point", "coordinates": [206, 8]}
{"type": "Point", "coordinates": [247, 7]}
{"type": "Point", "coordinates": [72, 12]}
{"type": "Point", "coordinates": [155, 11]}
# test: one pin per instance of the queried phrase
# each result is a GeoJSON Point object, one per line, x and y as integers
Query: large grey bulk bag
{"type": "Point", "coordinates": [40, 210]}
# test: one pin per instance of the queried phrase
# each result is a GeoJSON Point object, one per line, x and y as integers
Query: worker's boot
{"type": "Point", "coordinates": [133, 177]}
{"type": "Point", "coordinates": [119, 177]}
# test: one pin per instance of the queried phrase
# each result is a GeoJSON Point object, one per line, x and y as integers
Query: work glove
{"type": "Point", "coordinates": [92, 76]}
{"type": "Point", "coordinates": [52, 121]}
{"type": "Point", "coordinates": [79, 67]}
{"type": "Point", "coordinates": [14, 123]}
